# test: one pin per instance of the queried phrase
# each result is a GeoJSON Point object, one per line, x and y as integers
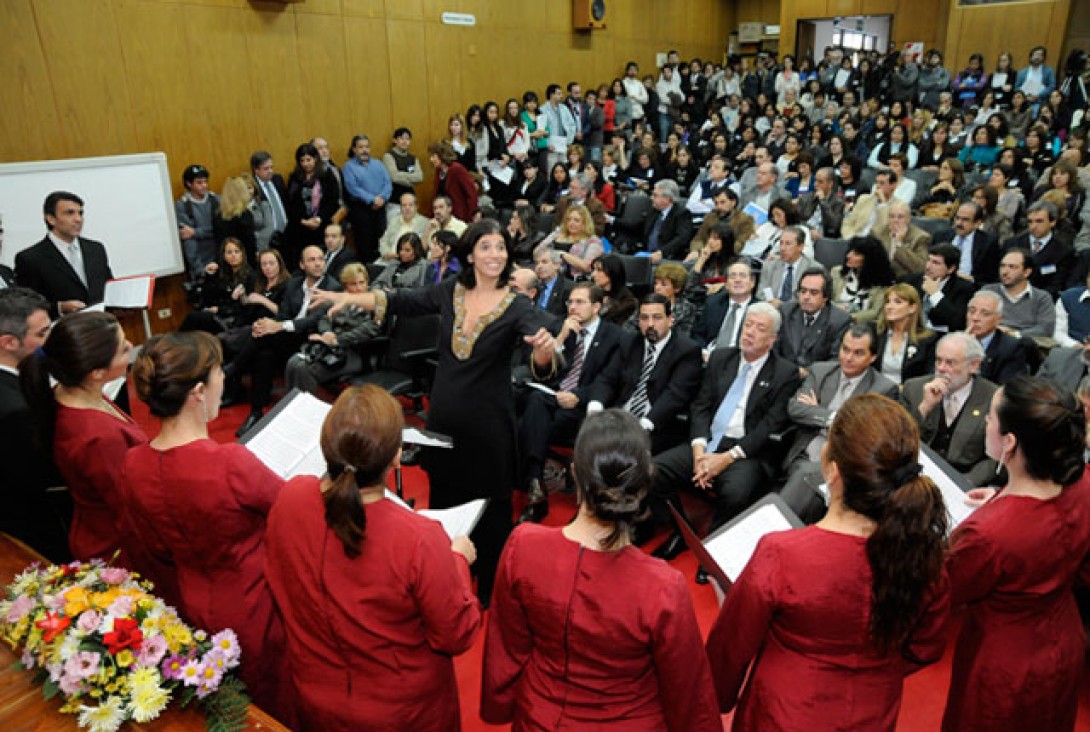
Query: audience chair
{"type": "Point", "coordinates": [413, 340]}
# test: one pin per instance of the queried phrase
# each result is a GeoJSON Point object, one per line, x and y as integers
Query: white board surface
{"type": "Point", "coordinates": [127, 205]}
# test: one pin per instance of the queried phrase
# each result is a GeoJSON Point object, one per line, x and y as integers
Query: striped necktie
{"type": "Point", "coordinates": [572, 379]}
{"type": "Point", "coordinates": [638, 404]}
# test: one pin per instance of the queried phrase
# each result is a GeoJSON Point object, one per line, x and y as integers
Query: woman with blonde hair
{"type": "Point", "coordinates": [576, 240]}
{"type": "Point", "coordinates": [235, 219]}
{"type": "Point", "coordinates": [906, 347]}
{"type": "Point", "coordinates": [460, 142]}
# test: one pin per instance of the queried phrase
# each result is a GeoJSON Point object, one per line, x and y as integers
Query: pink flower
{"type": "Point", "coordinates": [19, 609]}
{"type": "Point", "coordinates": [82, 665]}
{"type": "Point", "coordinates": [226, 643]}
{"type": "Point", "coordinates": [172, 666]}
{"type": "Point", "coordinates": [192, 672]}
{"type": "Point", "coordinates": [88, 621]}
{"type": "Point", "coordinates": [27, 659]}
{"type": "Point", "coordinates": [153, 650]}
{"type": "Point", "coordinates": [114, 575]}
{"type": "Point", "coordinates": [70, 685]}
{"type": "Point", "coordinates": [121, 607]}
{"type": "Point", "coordinates": [210, 678]}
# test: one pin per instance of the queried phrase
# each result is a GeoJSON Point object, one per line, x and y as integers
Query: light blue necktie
{"type": "Point", "coordinates": [727, 406]}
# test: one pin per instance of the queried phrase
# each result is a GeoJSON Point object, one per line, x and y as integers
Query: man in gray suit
{"type": "Point", "coordinates": [812, 326]}
{"type": "Point", "coordinates": [950, 406]}
{"type": "Point", "coordinates": [765, 188]}
{"type": "Point", "coordinates": [780, 277]}
{"type": "Point", "coordinates": [828, 385]}
{"type": "Point", "coordinates": [1067, 366]}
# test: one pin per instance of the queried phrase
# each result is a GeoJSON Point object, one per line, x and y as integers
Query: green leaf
{"type": "Point", "coordinates": [50, 689]}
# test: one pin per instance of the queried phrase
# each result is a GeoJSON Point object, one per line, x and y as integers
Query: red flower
{"type": "Point", "coordinates": [53, 625]}
{"type": "Point", "coordinates": [125, 634]}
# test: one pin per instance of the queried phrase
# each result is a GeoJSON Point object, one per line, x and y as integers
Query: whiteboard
{"type": "Point", "coordinates": [127, 205]}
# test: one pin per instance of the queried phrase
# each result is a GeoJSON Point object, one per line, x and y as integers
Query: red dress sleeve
{"type": "Point", "coordinates": [973, 564]}
{"type": "Point", "coordinates": [253, 484]}
{"type": "Point", "coordinates": [927, 641]}
{"type": "Point", "coordinates": [507, 645]}
{"type": "Point", "coordinates": [448, 608]}
{"type": "Point", "coordinates": [685, 681]}
{"type": "Point", "coordinates": [743, 624]}
{"type": "Point", "coordinates": [101, 460]}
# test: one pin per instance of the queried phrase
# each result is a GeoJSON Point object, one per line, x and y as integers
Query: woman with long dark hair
{"type": "Point", "coordinates": [608, 273]}
{"type": "Point", "coordinates": [481, 322]}
{"type": "Point", "coordinates": [226, 283]}
{"type": "Point", "coordinates": [410, 269]}
{"type": "Point", "coordinates": [198, 508]}
{"type": "Point", "coordinates": [859, 285]}
{"type": "Point", "coordinates": [572, 642]}
{"type": "Point", "coordinates": [376, 600]}
{"type": "Point", "coordinates": [834, 616]}
{"type": "Point", "coordinates": [84, 431]}
{"type": "Point", "coordinates": [313, 198]}
{"type": "Point", "coordinates": [1022, 647]}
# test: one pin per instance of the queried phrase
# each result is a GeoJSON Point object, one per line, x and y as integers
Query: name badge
{"type": "Point", "coordinates": [1048, 269]}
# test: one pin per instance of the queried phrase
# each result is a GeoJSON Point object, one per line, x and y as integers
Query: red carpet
{"type": "Point", "coordinates": [925, 691]}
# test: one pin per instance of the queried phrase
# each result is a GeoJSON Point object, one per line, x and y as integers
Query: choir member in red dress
{"type": "Point", "coordinates": [1021, 651]}
{"type": "Point", "coordinates": [376, 599]}
{"type": "Point", "coordinates": [83, 430]}
{"type": "Point", "coordinates": [587, 631]}
{"type": "Point", "coordinates": [195, 511]}
{"type": "Point", "coordinates": [837, 614]}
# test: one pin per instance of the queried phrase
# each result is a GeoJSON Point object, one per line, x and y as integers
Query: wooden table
{"type": "Point", "coordinates": [22, 707]}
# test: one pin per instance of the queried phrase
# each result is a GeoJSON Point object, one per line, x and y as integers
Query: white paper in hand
{"type": "Point", "coordinates": [733, 548]}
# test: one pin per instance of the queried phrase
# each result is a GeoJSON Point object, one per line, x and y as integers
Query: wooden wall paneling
{"type": "Point", "coordinates": [1078, 28]}
{"type": "Point", "coordinates": [1016, 27]}
{"type": "Point", "coordinates": [83, 54]}
{"type": "Point", "coordinates": [321, 7]}
{"type": "Point", "coordinates": [158, 62]}
{"type": "Point", "coordinates": [30, 126]}
{"type": "Point", "coordinates": [444, 83]}
{"type": "Point", "coordinates": [275, 91]}
{"type": "Point", "coordinates": [846, 7]}
{"type": "Point", "coordinates": [405, 10]}
{"type": "Point", "coordinates": [324, 77]}
{"type": "Point", "coordinates": [364, 8]}
{"type": "Point", "coordinates": [410, 68]}
{"type": "Point", "coordinates": [368, 79]}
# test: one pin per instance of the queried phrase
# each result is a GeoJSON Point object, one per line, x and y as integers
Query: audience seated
{"type": "Point", "coordinates": [720, 322]}
{"type": "Point", "coordinates": [1027, 311]}
{"type": "Point", "coordinates": [1004, 355]}
{"type": "Point", "coordinates": [406, 220]}
{"type": "Point", "coordinates": [905, 345]}
{"type": "Point", "coordinates": [1053, 257]}
{"type": "Point", "coordinates": [860, 283]}
{"type": "Point", "coordinates": [812, 326]}
{"type": "Point", "coordinates": [944, 292]}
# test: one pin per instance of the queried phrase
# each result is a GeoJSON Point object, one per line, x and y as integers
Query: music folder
{"type": "Point", "coordinates": [726, 551]}
{"type": "Point", "coordinates": [135, 292]}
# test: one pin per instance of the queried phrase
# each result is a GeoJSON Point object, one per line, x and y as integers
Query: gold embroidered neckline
{"type": "Point", "coordinates": [460, 343]}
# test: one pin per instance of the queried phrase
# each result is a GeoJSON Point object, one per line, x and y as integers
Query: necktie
{"type": "Point", "coordinates": [653, 239]}
{"type": "Point", "coordinates": [1036, 246]}
{"type": "Point", "coordinates": [572, 379]}
{"type": "Point", "coordinates": [728, 406]}
{"type": "Point", "coordinates": [950, 408]}
{"type": "Point", "coordinates": [809, 319]}
{"type": "Point", "coordinates": [75, 258]}
{"type": "Point", "coordinates": [813, 450]}
{"type": "Point", "coordinates": [638, 404]}
{"type": "Point", "coordinates": [785, 288]}
{"type": "Point", "coordinates": [726, 331]}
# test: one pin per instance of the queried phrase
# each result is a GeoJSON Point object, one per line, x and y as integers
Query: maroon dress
{"type": "Point", "coordinates": [371, 640]}
{"type": "Point", "coordinates": [587, 640]}
{"type": "Point", "coordinates": [802, 608]}
{"type": "Point", "coordinates": [1022, 648]}
{"type": "Point", "coordinates": [88, 447]}
{"type": "Point", "coordinates": [202, 508]}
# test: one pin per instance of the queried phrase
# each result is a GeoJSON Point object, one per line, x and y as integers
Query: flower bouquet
{"type": "Point", "coordinates": [96, 635]}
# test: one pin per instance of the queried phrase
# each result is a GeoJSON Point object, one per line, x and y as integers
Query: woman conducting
{"type": "Point", "coordinates": [834, 616]}
{"type": "Point", "coordinates": [481, 323]}
{"type": "Point", "coordinates": [376, 599]}
{"type": "Point", "coordinates": [1022, 647]}
{"type": "Point", "coordinates": [83, 430]}
{"type": "Point", "coordinates": [575, 640]}
{"type": "Point", "coordinates": [199, 509]}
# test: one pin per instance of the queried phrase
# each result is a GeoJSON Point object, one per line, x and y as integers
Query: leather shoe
{"type": "Point", "coordinates": [701, 575]}
{"type": "Point", "coordinates": [253, 419]}
{"type": "Point", "coordinates": [673, 546]}
{"type": "Point", "coordinates": [538, 506]}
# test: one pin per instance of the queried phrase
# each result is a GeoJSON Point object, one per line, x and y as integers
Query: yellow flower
{"type": "Point", "coordinates": [103, 600]}
{"type": "Point", "coordinates": [77, 599]}
{"type": "Point", "coordinates": [147, 703]}
{"type": "Point", "coordinates": [106, 717]}
{"type": "Point", "coordinates": [143, 677]}
{"type": "Point", "coordinates": [126, 658]}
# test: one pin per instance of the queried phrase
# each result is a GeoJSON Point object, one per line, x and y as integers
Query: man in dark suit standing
{"type": "Point", "coordinates": [271, 188]}
{"type": "Point", "coordinates": [825, 389]}
{"type": "Point", "coordinates": [720, 322]}
{"type": "Point", "coordinates": [1053, 257]}
{"type": "Point", "coordinates": [812, 327]}
{"type": "Point", "coordinates": [742, 402]}
{"type": "Point", "coordinates": [1004, 355]}
{"type": "Point", "coordinates": [553, 287]}
{"type": "Point", "coordinates": [337, 255]}
{"type": "Point", "coordinates": [655, 375]}
{"type": "Point", "coordinates": [669, 227]}
{"type": "Point", "coordinates": [944, 293]}
{"type": "Point", "coordinates": [273, 340]}
{"type": "Point", "coordinates": [29, 513]}
{"type": "Point", "coordinates": [590, 345]}
{"type": "Point", "coordinates": [68, 270]}
{"type": "Point", "coordinates": [951, 407]}
{"type": "Point", "coordinates": [979, 249]}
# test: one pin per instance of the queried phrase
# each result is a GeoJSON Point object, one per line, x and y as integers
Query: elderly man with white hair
{"type": "Point", "coordinates": [742, 402]}
{"type": "Point", "coordinates": [1004, 355]}
{"type": "Point", "coordinates": [951, 405]}
{"type": "Point", "coordinates": [580, 194]}
{"type": "Point", "coordinates": [669, 227]}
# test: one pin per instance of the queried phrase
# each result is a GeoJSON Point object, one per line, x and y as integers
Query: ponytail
{"type": "Point", "coordinates": [344, 513]}
{"type": "Point", "coordinates": [906, 554]}
{"type": "Point", "coordinates": [38, 392]}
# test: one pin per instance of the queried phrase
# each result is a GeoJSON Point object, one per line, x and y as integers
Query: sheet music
{"type": "Point", "coordinates": [541, 387]}
{"type": "Point", "coordinates": [128, 292]}
{"type": "Point", "coordinates": [289, 444]}
{"type": "Point", "coordinates": [952, 495]}
{"type": "Point", "coordinates": [733, 548]}
{"type": "Point", "coordinates": [413, 436]}
{"type": "Point", "coordinates": [456, 521]}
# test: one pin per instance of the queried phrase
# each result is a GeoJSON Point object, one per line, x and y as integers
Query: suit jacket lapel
{"type": "Point", "coordinates": [61, 263]}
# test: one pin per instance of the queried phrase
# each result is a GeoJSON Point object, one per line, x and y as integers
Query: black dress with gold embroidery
{"type": "Point", "coordinates": [472, 401]}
